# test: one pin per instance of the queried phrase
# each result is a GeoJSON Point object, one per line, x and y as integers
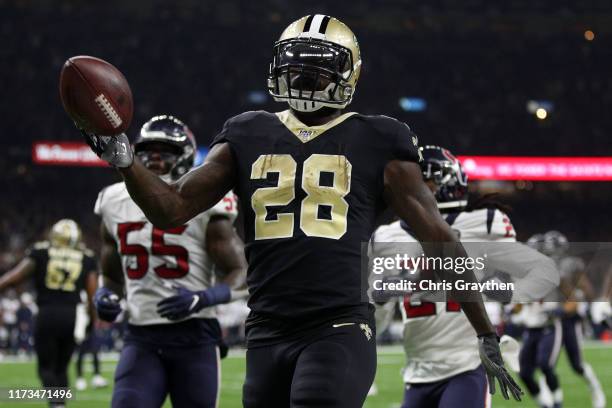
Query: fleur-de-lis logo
{"type": "Point", "coordinates": [366, 330]}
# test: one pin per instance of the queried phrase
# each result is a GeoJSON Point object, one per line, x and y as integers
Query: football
{"type": "Point", "coordinates": [96, 95]}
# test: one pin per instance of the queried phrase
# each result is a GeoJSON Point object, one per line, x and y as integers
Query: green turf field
{"type": "Point", "coordinates": [22, 374]}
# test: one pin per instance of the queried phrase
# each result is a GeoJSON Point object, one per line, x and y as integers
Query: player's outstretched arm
{"type": "Point", "coordinates": [171, 205]}
{"type": "Point", "coordinates": [18, 274]}
{"type": "Point", "coordinates": [411, 200]}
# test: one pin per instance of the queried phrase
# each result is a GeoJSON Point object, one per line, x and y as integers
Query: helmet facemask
{"type": "Point", "coordinates": [167, 139]}
{"type": "Point", "coordinates": [310, 74]}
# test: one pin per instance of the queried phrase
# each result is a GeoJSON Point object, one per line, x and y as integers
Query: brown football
{"type": "Point", "coordinates": [96, 95]}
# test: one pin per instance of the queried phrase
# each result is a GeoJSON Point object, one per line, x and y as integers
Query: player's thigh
{"type": "Point", "coordinates": [268, 377]}
{"type": "Point", "coordinates": [336, 370]}
{"type": "Point", "coordinates": [193, 376]}
{"type": "Point", "coordinates": [422, 395]}
{"type": "Point", "coordinates": [549, 347]}
{"type": "Point", "coordinates": [140, 378]}
{"type": "Point", "coordinates": [466, 390]}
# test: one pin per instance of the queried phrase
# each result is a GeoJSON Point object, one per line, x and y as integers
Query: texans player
{"type": "Point", "coordinates": [443, 367]}
{"type": "Point", "coordinates": [311, 182]}
{"type": "Point", "coordinates": [575, 290]}
{"type": "Point", "coordinates": [61, 268]}
{"type": "Point", "coordinates": [172, 278]}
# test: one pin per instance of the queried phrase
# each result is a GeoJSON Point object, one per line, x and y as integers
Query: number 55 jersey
{"type": "Point", "coordinates": [310, 196]}
{"type": "Point", "coordinates": [155, 261]}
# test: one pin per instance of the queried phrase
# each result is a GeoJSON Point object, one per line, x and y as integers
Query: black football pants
{"type": "Point", "coordinates": [54, 343]}
{"type": "Point", "coordinates": [332, 368]}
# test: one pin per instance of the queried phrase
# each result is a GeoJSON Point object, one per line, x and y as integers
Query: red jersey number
{"type": "Point", "coordinates": [158, 247]}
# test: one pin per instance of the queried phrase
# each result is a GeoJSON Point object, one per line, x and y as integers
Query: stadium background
{"type": "Point", "coordinates": [461, 74]}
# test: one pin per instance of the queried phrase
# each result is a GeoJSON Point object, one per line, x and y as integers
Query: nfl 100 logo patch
{"type": "Point", "coordinates": [306, 134]}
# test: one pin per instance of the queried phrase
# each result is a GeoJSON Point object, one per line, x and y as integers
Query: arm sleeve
{"type": "Point", "coordinates": [225, 135]}
{"type": "Point", "coordinates": [407, 144]}
{"type": "Point", "coordinates": [99, 201]}
{"type": "Point", "coordinates": [36, 253]}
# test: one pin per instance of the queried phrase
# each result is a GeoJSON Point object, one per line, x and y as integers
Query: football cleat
{"type": "Point", "coordinates": [440, 166]}
{"type": "Point", "coordinates": [98, 381]}
{"type": "Point", "coordinates": [316, 64]}
{"type": "Point", "coordinates": [80, 384]}
{"type": "Point", "coordinates": [172, 132]}
{"type": "Point", "coordinates": [65, 233]}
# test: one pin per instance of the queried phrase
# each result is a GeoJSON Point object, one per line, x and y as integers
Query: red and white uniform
{"type": "Point", "coordinates": [155, 260]}
{"type": "Point", "coordinates": [438, 339]}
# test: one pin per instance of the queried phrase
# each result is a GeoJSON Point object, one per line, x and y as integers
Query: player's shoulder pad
{"type": "Point", "coordinates": [385, 125]}
{"type": "Point", "coordinates": [499, 225]}
{"type": "Point", "coordinates": [41, 245]}
{"type": "Point", "coordinates": [248, 118]}
{"type": "Point", "coordinates": [37, 248]}
{"type": "Point", "coordinates": [108, 195]}
{"type": "Point", "coordinates": [402, 142]}
{"type": "Point", "coordinates": [227, 207]}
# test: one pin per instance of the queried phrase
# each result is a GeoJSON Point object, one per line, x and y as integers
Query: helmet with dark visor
{"type": "Point", "coordinates": [312, 70]}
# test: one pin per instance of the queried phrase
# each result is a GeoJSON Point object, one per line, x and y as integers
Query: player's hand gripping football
{"type": "Point", "coordinates": [493, 363]}
{"type": "Point", "coordinates": [187, 302]}
{"type": "Point", "coordinates": [115, 150]}
{"type": "Point", "coordinates": [107, 304]}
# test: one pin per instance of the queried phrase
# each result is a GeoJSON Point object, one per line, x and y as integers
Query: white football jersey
{"type": "Point", "coordinates": [156, 261]}
{"type": "Point", "coordinates": [536, 315]}
{"type": "Point", "coordinates": [439, 341]}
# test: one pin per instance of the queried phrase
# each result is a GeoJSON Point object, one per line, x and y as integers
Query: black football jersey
{"type": "Point", "coordinates": [60, 273]}
{"type": "Point", "coordinates": [310, 196]}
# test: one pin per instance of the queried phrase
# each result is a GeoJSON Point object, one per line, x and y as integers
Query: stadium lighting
{"type": "Point", "coordinates": [589, 35]}
{"type": "Point", "coordinates": [411, 104]}
{"type": "Point", "coordinates": [541, 113]}
{"type": "Point", "coordinates": [540, 108]}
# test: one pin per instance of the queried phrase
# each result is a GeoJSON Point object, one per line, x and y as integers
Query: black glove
{"type": "Point", "coordinates": [115, 150]}
{"type": "Point", "coordinates": [187, 302]}
{"type": "Point", "coordinates": [490, 355]}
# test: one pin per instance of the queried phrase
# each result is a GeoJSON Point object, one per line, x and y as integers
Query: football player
{"type": "Point", "coordinates": [61, 268]}
{"type": "Point", "coordinates": [540, 349]}
{"type": "Point", "coordinates": [443, 367]}
{"type": "Point", "coordinates": [171, 278]}
{"type": "Point", "coordinates": [311, 181]}
{"type": "Point", "coordinates": [575, 290]}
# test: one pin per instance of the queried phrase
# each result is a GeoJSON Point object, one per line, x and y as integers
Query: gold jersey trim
{"type": "Point", "coordinates": [307, 133]}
